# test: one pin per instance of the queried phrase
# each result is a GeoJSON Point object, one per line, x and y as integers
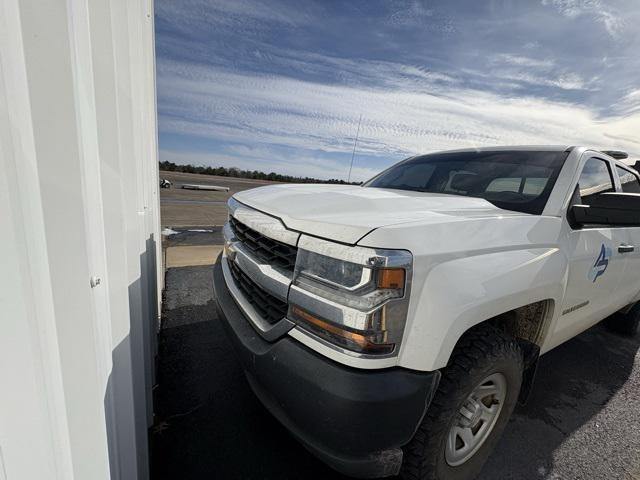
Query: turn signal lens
{"type": "Point", "coordinates": [337, 335]}
{"type": "Point", "coordinates": [391, 278]}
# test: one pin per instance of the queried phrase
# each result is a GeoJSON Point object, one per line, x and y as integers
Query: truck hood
{"type": "Point", "coordinates": [348, 213]}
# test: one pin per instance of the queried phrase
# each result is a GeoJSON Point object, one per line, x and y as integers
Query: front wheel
{"type": "Point", "coordinates": [476, 396]}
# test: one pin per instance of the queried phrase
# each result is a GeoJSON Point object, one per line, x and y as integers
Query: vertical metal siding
{"type": "Point", "coordinates": [78, 199]}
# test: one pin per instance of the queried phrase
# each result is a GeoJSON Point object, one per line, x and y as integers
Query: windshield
{"type": "Point", "coordinates": [512, 180]}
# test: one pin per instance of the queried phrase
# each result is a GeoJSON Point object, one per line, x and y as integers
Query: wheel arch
{"type": "Point", "coordinates": [528, 323]}
{"type": "Point", "coordinates": [460, 294]}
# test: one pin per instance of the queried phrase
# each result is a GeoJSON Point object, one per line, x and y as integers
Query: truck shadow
{"type": "Point", "coordinates": [574, 383]}
{"type": "Point", "coordinates": [209, 425]}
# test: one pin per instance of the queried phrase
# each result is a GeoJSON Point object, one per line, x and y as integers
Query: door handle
{"type": "Point", "coordinates": [626, 248]}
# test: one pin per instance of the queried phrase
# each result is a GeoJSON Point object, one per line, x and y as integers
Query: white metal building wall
{"type": "Point", "coordinates": [78, 201]}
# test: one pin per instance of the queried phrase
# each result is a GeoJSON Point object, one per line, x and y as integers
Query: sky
{"type": "Point", "coordinates": [280, 86]}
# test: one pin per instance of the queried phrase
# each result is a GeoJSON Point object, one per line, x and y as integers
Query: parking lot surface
{"type": "Point", "coordinates": [180, 207]}
{"type": "Point", "coordinates": [581, 422]}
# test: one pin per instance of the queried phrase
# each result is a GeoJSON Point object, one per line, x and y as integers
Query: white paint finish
{"type": "Point", "coordinates": [36, 445]}
{"type": "Point", "coordinates": [633, 262]}
{"type": "Point", "coordinates": [3, 473]}
{"type": "Point", "coordinates": [472, 261]}
{"type": "Point", "coordinates": [139, 42]}
{"type": "Point", "coordinates": [261, 223]}
{"type": "Point", "coordinates": [29, 364]}
{"type": "Point", "coordinates": [606, 295]}
{"type": "Point", "coordinates": [62, 177]}
{"type": "Point", "coordinates": [609, 292]}
{"type": "Point", "coordinates": [347, 213]}
{"type": "Point", "coordinates": [467, 271]}
{"type": "Point", "coordinates": [75, 361]}
{"type": "Point", "coordinates": [123, 261]}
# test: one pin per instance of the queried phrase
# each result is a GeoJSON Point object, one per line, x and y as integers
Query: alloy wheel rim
{"type": "Point", "coordinates": [476, 419]}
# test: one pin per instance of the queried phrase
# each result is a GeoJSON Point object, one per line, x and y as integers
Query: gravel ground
{"type": "Point", "coordinates": [581, 421]}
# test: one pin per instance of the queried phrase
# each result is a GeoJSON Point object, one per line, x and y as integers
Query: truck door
{"type": "Point", "coordinates": [630, 183]}
{"type": "Point", "coordinates": [596, 267]}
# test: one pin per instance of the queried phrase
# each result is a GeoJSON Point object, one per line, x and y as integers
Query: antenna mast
{"type": "Point", "coordinates": [353, 154]}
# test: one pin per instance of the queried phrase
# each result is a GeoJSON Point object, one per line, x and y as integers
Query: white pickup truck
{"type": "Point", "coordinates": [393, 326]}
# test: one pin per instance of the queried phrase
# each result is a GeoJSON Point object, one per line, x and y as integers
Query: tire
{"type": "Point", "coordinates": [625, 323]}
{"type": "Point", "coordinates": [484, 352]}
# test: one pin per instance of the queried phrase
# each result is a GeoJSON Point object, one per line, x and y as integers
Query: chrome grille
{"type": "Point", "coordinates": [268, 307]}
{"type": "Point", "coordinates": [267, 250]}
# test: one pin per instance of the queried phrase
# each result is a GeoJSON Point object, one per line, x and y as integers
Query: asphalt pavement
{"type": "Point", "coordinates": [181, 207]}
{"type": "Point", "coordinates": [581, 422]}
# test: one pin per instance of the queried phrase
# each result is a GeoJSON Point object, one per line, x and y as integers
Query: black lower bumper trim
{"type": "Point", "coordinates": [354, 420]}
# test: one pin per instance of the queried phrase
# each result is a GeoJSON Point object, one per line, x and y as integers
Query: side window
{"type": "Point", "coordinates": [528, 186]}
{"type": "Point", "coordinates": [504, 185]}
{"type": "Point", "coordinates": [595, 179]}
{"type": "Point", "coordinates": [628, 180]}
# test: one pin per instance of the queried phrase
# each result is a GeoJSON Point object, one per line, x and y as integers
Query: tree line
{"type": "Point", "coordinates": [239, 173]}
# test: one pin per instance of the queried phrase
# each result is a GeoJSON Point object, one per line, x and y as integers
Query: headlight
{"type": "Point", "coordinates": [348, 283]}
{"type": "Point", "coordinates": [355, 298]}
{"type": "Point", "coordinates": [332, 271]}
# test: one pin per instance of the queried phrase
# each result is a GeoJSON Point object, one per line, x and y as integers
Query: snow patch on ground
{"type": "Point", "coordinates": [167, 231]}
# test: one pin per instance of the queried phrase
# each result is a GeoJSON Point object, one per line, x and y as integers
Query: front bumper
{"type": "Point", "coordinates": [354, 420]}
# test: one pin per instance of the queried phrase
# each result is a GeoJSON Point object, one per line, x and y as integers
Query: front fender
{"type": "Point", "coordinates": [458, 293]}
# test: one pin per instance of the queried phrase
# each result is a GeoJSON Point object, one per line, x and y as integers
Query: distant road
{"type": "Point", "coordinates": [199, 208]}
{"type": "Point", "coordinates": [185, 200]}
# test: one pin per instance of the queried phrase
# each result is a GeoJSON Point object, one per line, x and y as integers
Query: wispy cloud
{"type": "Point", "coordinates": [596, 9]}
{"type": "Point", "coordinates": [415, 13]}
{"type": "Point", "coordinates": [275, 87]}
{"type": "Point", "coordinates": [236, 15]}
{"type": "Point", "coordinates": [534, 72]}
{"type": "Point", "coordinates": [522, 61]}
{"type": "Point", "coordinates": [273, 110]}
{"type": "Point", "coordinates": [629, 105]}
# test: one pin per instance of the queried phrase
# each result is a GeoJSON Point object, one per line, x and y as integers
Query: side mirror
{"type": "Point", "coordinates": [619, 209]}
